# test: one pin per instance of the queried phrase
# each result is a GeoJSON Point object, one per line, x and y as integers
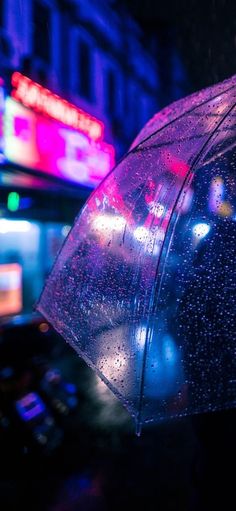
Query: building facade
{"type": "Point", "coordinates": [92, 53]}
{"type": "Point", "coordinates": [53, 152]}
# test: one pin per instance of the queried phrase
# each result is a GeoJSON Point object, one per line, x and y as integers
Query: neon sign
{"type": "Point", "coordinates": [10, 287]}
{"type": "Point", "coordinates": [41, 143]}
{"type": "Point", "coordinates": [1, 119]}
{"type": "Point", "coordinates": [43, 101]}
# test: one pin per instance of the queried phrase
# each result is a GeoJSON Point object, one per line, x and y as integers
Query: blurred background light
{"type": "Point", "coordinates": [13, 201]}
{"type": "Point", "coordinates": [201, 230]}
{"type": "Point", "coordinates": [109, 223]}
{"type": "Point", "coordinates": [7, 226]}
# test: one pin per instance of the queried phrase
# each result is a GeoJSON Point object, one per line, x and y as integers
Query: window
{"type": "Point", "coordinates": [111, 93]}
{"type": "Point", "coordinates": [42, 31]}
{"type": "Point", "coordinates": [85, 77]}
{"type": "Point", "coordinates": [1, 13]}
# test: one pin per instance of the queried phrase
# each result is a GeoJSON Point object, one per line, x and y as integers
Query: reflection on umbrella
{"type": "Point", "coordinates": [143, 288]}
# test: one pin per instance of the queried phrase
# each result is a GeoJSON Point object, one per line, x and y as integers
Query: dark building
{"type": "Point", "coordinates": [98, 58]}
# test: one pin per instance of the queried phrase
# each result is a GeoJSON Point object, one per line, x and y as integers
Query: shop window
{"type": "Point", "coordinates": [42, 31]}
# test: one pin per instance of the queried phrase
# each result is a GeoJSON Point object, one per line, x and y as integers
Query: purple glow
{"type": "Point", "coordinates": [1, 119]}
{"type": "Point", "coordinates": [30, 406]}
{"type": "Point", "coordinates": [33, 95]}
{"type": "Point", "coordinates": [43, 144]}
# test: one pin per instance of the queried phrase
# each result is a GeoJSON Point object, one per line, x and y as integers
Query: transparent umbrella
{"type": "Point", "coordinates": [144, 286]}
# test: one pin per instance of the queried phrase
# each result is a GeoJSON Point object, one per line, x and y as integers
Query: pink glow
{"type": "Point", "coordinates": [1, 119]}
{"type": "Point", "coordinates": [175, 164]}
{"type": "Point", "coordinates": [43, 101]}
{"type": "Point", "coordinates": [45, 145]}
{"type": "Point", "coordinates": [179, 167]}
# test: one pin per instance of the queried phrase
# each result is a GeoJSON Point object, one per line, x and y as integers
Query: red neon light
{"type": "Point", "coordinates": [41, 143]}
{"type": "Point", "coordinates": [33, 95]}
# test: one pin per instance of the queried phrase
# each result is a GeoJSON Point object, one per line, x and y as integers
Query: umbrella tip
{"type": "Point", "coordinates": [138, 428]}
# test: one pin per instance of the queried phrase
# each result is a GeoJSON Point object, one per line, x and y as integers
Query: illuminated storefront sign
{"type": "Point", "coordinates": [41, 143]}
{"type": "Point", "coordinates": [10, 288]}
{"type": "Point", "coordinates": [1, 118]}
{"type": "Point", "coordinates": [43, 101]}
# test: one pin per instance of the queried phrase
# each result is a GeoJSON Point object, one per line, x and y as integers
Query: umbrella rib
{"type": "Point", "coordinates": [134, 149]}
{"type": "Point", "coordinates": [168, 143]}
{"type": "Point", "coordinates": [210, 136]}
{"type": "Point", "coordinates": [151, 309]}
{"type": "Point", "coordinates": [183, 185]}
{"type": "Point", "coordinates": [186, 112]}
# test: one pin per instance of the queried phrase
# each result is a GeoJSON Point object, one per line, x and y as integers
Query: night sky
{"type": "Point", "coordinates": [203, 31]}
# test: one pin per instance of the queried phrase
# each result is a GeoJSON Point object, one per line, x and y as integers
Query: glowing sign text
{"type": "Point", "coordinates": [43, 101]}
{"type": "Point", "coordinates": [1, 119]}
{"type": "Point", "coordinates": [45, 145]}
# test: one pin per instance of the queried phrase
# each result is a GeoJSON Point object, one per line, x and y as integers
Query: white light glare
{"type": "Point", "coordinates": [140, 336]}
{"type": "Point", "coordinates": [141, 234]}
{"type": "Point", "coordinates": [109, 223]}
{"type": "Point", "coordinates": [157, 209]}
{"type": "Point", "coordinates": [201, 230]}
{"type": "Point", "coordinates": [65, 230]}
{"type": "Point", "coordinates": [14, 226]}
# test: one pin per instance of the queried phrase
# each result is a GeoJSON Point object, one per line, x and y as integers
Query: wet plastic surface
{"type": "Point", "coordinates": [144, 286]}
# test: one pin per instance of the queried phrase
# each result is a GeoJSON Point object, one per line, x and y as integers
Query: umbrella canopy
{"type": "Point", "coordinates": [144, 286]}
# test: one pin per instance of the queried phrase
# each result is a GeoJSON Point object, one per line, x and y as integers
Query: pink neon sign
{"type": "Point", "coordinates": [43, 101]}
{"type": "Point", "coordinates": [45, 145]}
{"type": "Point", "coordinates": [2, 102]}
